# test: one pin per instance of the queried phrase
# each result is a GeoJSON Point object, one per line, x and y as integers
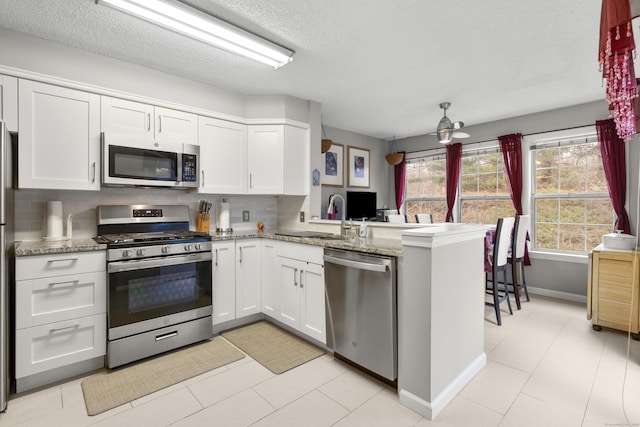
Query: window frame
{"type": "Point", "coordinates": [562, 138]}
{"type": "Point", "coordinates": [432, 155]}
{"type": "Point", "coordinates": [489, 147]}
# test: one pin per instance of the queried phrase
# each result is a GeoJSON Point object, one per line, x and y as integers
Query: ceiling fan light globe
{"type": "Point", "coordinates": [444, 135]}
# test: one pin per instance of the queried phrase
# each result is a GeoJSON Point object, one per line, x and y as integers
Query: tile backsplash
{"type": "Point", "coordinates": [31, 207]}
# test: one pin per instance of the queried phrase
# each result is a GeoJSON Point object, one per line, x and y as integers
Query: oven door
{"type": "Point", "coordinates": [148, 294]}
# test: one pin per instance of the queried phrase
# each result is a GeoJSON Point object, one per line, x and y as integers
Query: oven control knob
{"type": "Point", "coordinates": [166, 249]}
{"type": "Point", "coordinates": [140, 252]}
{"type": "Point", "coordinates": [126, 253]}
{"type": "Point", "coordinates": [198, 246]}
{"type": "Point", "coordinates": [187, 247]}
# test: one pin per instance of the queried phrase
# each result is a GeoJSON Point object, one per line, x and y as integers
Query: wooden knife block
{"type": "Point", "coordinates": [203, 225]}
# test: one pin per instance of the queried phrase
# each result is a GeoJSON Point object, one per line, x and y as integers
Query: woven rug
{"type": "Point", "coordinates": [275, 349]}
{"type": "Point", "coordinates": [105, 391]}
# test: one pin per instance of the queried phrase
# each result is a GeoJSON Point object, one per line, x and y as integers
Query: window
{"type": "Point", "coordinates": [425, 188]}
{"type": "Point", "coordinates": [570, 204]}
{"type": "Point", "coordinates": [484, 196]}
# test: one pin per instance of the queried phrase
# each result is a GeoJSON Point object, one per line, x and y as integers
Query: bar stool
{"type": "Point", "coordinates": [516, 256]}
{"type": "Point", "coordinates": [499, 264]}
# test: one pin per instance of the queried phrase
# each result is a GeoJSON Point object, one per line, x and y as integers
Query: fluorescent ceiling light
{"type": "Point", "coordinates": [200, 26]}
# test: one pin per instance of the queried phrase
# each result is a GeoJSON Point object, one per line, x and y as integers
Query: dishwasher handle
{"type": "Point", "coordinates": [382, 267]}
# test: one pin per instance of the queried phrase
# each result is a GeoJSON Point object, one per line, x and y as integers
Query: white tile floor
{"type": "Point", "coordinates": [546, 367]}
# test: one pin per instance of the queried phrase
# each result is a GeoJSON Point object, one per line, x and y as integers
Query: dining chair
{"type": "Point", "coordinates": [397, 218]}
{"type": "Point", "coordinates": [499, 264]}
{"type": "Point", "coordinates": [424, 218]}
{"type": "Point", "coordinates": [516, 256]}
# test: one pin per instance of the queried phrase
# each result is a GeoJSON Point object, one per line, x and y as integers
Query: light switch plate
{"type": "Point", "coordinates": [301, 216]}
{"type": "Point", "coordinates": [245, 216]}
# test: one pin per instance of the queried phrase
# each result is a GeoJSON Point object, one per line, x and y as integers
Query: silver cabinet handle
{"type": "Point", "coordinates": [240, 254]}
{"type": "Point", "coordinates": [301, 274]}
{"type": "Point", "coordinates": [250, 180]}
{"type": "Point", "coordinates": [63, 260]}
{"type": "Point", "coordinates": [295, 282]}
{"type": "Point", "coordinates": [216, 257]}
{"type": "Point", "coordinates": [202, 172]}
{"type": "Point", "coordinates": [69, 282]}
{"type": "Point", "coordinates": [159, 123]}
{"type": "Point", "coordinates": [148, 122]}
{"type": "Point", "coordinates": [53, 331]}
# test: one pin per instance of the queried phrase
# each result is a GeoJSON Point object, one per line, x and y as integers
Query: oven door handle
{"type": "Point", "coordinates": [139, 264]}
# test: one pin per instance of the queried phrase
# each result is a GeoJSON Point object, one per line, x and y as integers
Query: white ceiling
{"type": "Point", "coordinates": [378, 67]}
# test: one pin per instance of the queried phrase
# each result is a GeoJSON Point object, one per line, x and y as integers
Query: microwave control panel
{"type": "Point", "coordinates": [189, 168]}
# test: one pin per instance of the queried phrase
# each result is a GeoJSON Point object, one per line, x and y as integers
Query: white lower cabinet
{"type": "Point", "coordinates": [60, 311]}
{"type": "Point", "coordinates": [270, 278]}
{"type": "Point", "coordinates": [224, 281]}
{"type": "Point", "coordinates": [298, 293]}
{"type": "Point", "coordinates": [248, 278]}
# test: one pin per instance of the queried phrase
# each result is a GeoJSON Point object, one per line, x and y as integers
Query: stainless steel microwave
{"type": "Point", "coordinates": [127, 161]}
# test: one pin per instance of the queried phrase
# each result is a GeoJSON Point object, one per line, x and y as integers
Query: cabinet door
{"type": "Point", "coordinates": [270, 275]}
{"type": "Point", "coordinates": [248, 284]}
{"type": "Point", "coordinates": [615, 290]}
{"type": "Point", "coordinates": [55, 299]}
{"type": "Point", "coordinates": [126, 117]}
{"type": "Point", "coordinates": [296, 161]}
{"type": "Point", "coordinates": [266, 159]}
{"type": "Point", "coordinates": [223, 157]}
{"type": "Point", "coordinates": [9, 102]}
{"type": "Point", "coordinates": [312, 302]}
{"type": "Point", "coordinates": [289, 292]}
{"type": "Point", "coordinates": [176, 126]}
{"type": "Point", "coordinates": [59, 137]}
{"type": "Point", "coordinates": [224, 281]}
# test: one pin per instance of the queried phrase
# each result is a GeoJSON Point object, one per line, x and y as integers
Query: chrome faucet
{"type": "Point", "coordinates": [343, 228]}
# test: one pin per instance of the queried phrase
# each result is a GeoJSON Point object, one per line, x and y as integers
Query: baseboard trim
{"type": "Point", "coordinates": [557, 294]}
{"type": "Point", "coordinates": [430, 410]}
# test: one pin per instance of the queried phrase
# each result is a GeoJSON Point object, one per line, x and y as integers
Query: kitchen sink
{"type": "Point", "coordinates": [310, 235]}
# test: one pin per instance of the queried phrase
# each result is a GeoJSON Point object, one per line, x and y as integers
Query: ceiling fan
{"type": "Point", "coordinates": [446, 129]}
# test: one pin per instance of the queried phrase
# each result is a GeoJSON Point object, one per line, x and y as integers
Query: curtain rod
{"type": "Point", "coordinates": [496, 138]}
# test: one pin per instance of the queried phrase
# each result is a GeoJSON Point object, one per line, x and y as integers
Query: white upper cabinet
{"type": "Point", "coordinates": [266, 159]}
{"type": "Point", "coordinates": [297, 161]}
{"type": "Point", "coordinates": [141, 120]}
{"type": "Point", "coordinates": [279, 160]}
{"type": "Point", "coordinates": [59, 137]}
{"type": "Point", "coordinates": [9, 102]}
{"type": "Point", "coordinates": [223, 156]}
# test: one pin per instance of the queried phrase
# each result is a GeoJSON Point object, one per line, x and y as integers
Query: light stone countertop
{"type": "Point", "coordinates": [378, 246]}
{"type": "Point", "coordinates": [40, 247]}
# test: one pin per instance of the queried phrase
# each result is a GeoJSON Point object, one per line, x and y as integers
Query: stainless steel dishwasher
{"type": "Point", "coordinates": [361, 310]}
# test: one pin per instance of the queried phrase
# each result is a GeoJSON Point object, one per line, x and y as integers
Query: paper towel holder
{"type": "Point", "coordinates": [221, 227]}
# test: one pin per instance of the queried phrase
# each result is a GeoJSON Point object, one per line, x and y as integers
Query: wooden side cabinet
{"type": "Point", "coordinates": [613, 290]}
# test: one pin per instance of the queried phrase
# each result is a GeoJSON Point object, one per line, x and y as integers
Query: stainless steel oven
{"type": "Point", "coordinates": [159, 281]}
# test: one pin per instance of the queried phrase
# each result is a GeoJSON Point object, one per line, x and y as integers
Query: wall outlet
{"type": "Point", "coordinates": [301, 216]}
{"type": "Point", "coordinates": [245, 216]}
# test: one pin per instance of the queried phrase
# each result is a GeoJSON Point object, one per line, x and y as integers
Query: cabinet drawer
{"type": "Point", "coordinates": [60, 264]}
{"type": "Point", "coordinates": [51, 346]}
{"type": "Point", "coordinates": [54, 299]}
{"type": "Point", "coordinates": [301, 251]}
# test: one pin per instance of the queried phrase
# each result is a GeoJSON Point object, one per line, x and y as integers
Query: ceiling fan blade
{"type": "Point", "coordinates": [461, 135]}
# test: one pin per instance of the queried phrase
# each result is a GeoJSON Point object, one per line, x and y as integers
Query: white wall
{"type": "Point", "coordinates": [380, 171]}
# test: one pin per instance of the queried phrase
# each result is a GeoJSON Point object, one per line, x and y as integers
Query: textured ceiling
{"type": "Point", "coordinates": [378, 67]}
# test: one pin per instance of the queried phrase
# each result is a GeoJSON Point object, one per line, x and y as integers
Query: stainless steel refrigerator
{"type": "Point", "coordinates": [6, 259]}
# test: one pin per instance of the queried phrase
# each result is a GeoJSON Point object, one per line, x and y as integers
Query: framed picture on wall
{"type": "Point", "coordinates": [333, 170]}
{"type": "Point", "coordinates": [359, 164]}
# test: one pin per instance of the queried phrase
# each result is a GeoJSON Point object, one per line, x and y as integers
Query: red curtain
{"type": "Point", "coordinates": [511, 148]}
{"type": "Point", "coordinates": [614, 163]}
{"type": "Point", "coordinates": [454, 162]}
{"type": "Point", "coordinates": [399, 172]}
